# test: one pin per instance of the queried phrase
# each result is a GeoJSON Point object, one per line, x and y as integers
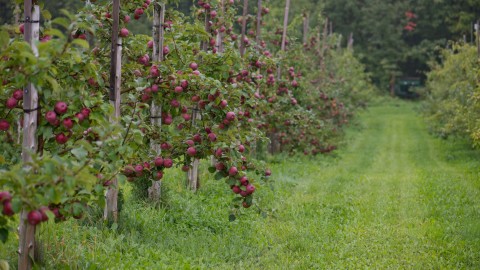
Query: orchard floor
{"type": "Point", "coordinates": [393, 196]}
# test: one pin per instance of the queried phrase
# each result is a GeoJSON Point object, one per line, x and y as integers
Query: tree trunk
{"type": "Point", "coordinates": [244, 27]}
{"type": "Point", "coordinates": [26, 232]}
{"type": "Point", "coordinates": [155, 191]}
{"type": "Point", "coordinates": [111, 207]}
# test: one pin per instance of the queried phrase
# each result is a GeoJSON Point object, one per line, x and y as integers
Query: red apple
{"type": "Point", "coordinates": [68, 123]}
{"type": "Point", "coordinates": [61, 138]}
{"type": "Point", "coordinates": [233, 171]}
{"type": "Point", "coordinates": [191, 151]}
{"type": "Point", "coordinates": [193, 66]}
{"type": "Point", "coordinates": [7, 209]}
{"type": "Point", "coordinates": [124, 32]}
{"type": "Point", "coordinates": [250, 189]}
{"type": "Point", "coordinates": [158, 161]}
{"type": "Point", "coordinates": [18, 94]}
{"type": "Point", "coordinates": [241, 148]}
{"type": "Point", "coordinates": [5, 196]}
{"type": "Point", "coordinates": [4, 125]}
{"type": "Point", "coordinates": [34, 217]}
{"type": "Point", "coordinates": [61, 107]}
{"type": "Point", "coordinates": [230, 116]}
{"type": "Point", "coordinates": [167, 163]}
{"type": "Point", "coordinates": [212, 137]}
{"type": "Point", "coordinates": [11, 103]}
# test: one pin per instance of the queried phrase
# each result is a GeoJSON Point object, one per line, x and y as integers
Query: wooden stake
{"type": "Point", "coordinates": [350, 41]}
{"type": "Point", "coordinates": [193, 181]}
{"type": "Point", "coordinates": [306, 25]}
{"type": "Point", "coordinates": [244, 27]}
{"type": "Point", "coordinates": [221, 35]}
{"type": "Point", "coordinates": [477, 30]}
{"type": "Point", "coordinates": [259, 22]}
{"type": "Point", "coordinates": [26, 232]}
{"type": "Point", "coordinates": [111, 207]}
{"type": "Point", "coordinates": [284, 35]}
{"type": "Point", "coordinates": [154, 192]}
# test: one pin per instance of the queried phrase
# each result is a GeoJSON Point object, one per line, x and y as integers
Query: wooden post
{"type": "Point", "coordinates": [26, 232]}
{"type": "Point", "coordinates": [392, 85]}
{"type": "Point", "coordinates": [259, 22]}
{"type": "Point", "coordinates": [111, 207]}
{"type": "Point", "coordinates": [477, 30]}
{"type": "Point", "coordinates": [306, 25]}
{"type": "Point", "coordinates": [193, 181]}
{"type": "Point", "coordinates": [471, 32]}
{"type": "Point", "coordinates": [192, 174]}
{"type": "Point", "coordinates": [221, 35]}
{"type": "Point", "coordinates": [274, 143]}
{"type": "Point", "coordinates": [284, 35]}
{"type": "Point", "coordinates": [350, 41]}
{"type": "Point", "coordinates": [244, 27]}
{"type": "Point", "coordinates": [154, 192]}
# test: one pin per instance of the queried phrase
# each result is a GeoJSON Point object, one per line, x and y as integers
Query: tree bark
{"type": "Point", "coordinates": [26, 232]}
{"type": "Point", "coordinates": [111, 207]}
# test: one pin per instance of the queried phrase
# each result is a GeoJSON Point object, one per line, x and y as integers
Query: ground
{"type": "Point", "coordinates": [392, 196]}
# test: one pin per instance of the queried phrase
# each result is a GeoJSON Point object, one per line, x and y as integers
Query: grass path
{"type": "Point", "coordinates": [397, 198]}
{"type": "Point", "coordinates": [393, 197]}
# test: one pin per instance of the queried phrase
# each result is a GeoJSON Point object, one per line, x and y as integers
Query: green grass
{"type": "Point", "coordinates": [392, 197]}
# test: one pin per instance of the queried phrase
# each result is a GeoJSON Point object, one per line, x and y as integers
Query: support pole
{"type": "Point", "coordinates": [477, 30]}
{"type": "Point", "coordinates": [284, 35]}
{"type": "Point", "coordinates": [259, 22]}
{"type": "Point", "coordinates": [306, 25]}
{"type": "Point", "coordinates": [26, 232]}
{"type": "Point", "coordinates": [155, 191]}
{"type": "Point", "coordinates": [111, 207]}
{"type": "Point", "coordinates": [244, 27]}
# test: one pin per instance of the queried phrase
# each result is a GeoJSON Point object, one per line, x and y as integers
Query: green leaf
{"type": "Point", "coordinates": [55, 33]}
{"type": "Point", "coordinates": [53, 83]}
{"type": "Point", "coordinates": [46, 14]}
{"type": "Point", "coordinates": [62, 22]}
{"type": "Point", "coordinates": [82, 43]}
{"type": "Point", "coordinates": [3, 235]}
{"type": "Point", "coordinates": [219, 176]}
{"type": "Point", "coordinates": [79, 153]}
{"type": "Point", "coordinates": [4, 39]}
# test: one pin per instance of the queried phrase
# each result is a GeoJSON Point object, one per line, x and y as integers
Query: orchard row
{"type": "Point", "coordinates": [186, 94]}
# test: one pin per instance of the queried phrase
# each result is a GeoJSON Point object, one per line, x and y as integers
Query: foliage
{"type": "Point", "coordinates": [453, 94]}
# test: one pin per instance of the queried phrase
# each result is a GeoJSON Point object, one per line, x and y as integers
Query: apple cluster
{"type": "Point", "coordinates": [11, 103]}
{"type": "Point", "coordinates": [60, 119]}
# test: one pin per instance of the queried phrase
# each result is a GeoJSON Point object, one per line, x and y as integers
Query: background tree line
{"type": "Point", "coordinates": [382, 40]}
